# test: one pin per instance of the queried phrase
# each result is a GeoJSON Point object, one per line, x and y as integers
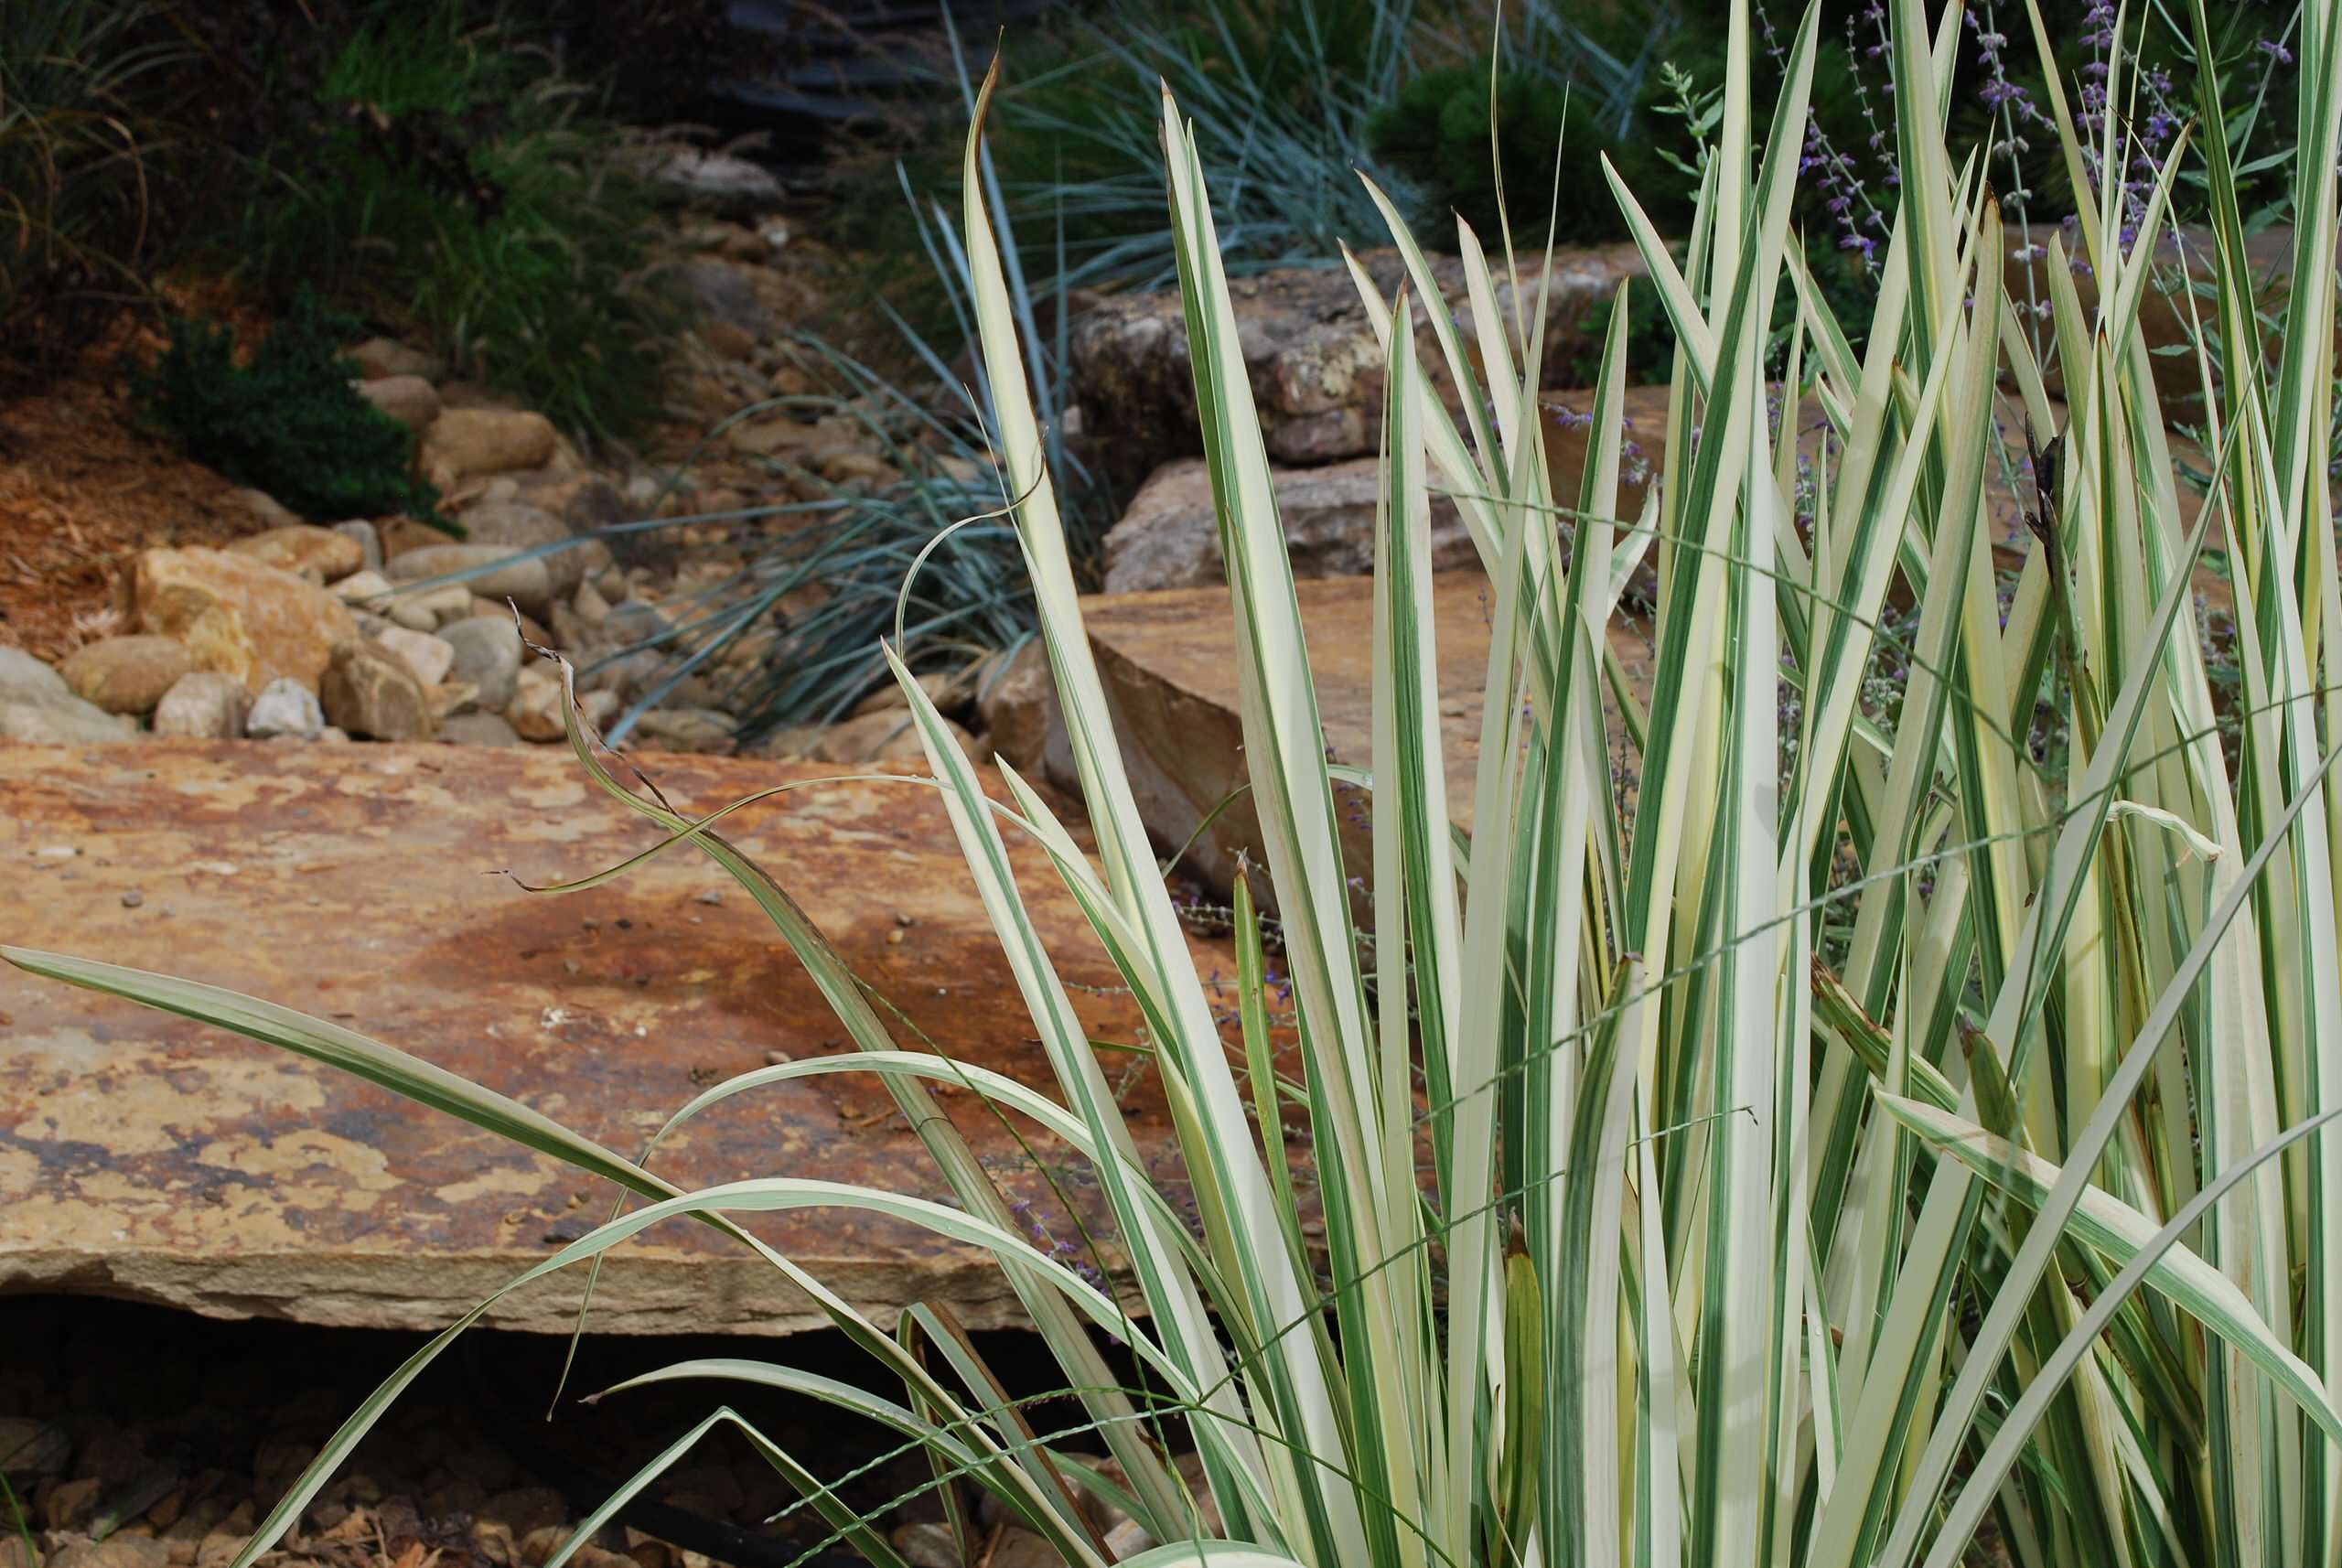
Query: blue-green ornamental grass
{"type": "Point", "coordinates": [1657, 1234]}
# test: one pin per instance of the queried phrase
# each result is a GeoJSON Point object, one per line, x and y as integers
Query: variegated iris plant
{"type": "Point", "coordinates": [1859, 1141]}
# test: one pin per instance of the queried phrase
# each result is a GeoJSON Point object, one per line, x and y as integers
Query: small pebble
{"type": "Point", "coordinates": [132, 899]}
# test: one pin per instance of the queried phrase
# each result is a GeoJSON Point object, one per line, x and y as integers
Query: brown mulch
{"type": "Point", "coordinates": [82, 490]}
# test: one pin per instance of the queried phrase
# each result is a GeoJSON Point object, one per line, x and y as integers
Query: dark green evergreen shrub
{"type": "Point", "coordinates": [451, 183]}
{"type": "Point", "coordinates": [289, 423]}
{"type": "Point", "coordinates": [1437, 132]}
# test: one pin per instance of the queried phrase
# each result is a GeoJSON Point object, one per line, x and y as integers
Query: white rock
{"type": "Point", "coordinates": [429, 657]}
{"type": "Point", "coordinates": [203, 705]}
{"type": "Point", "coordinates": [361, 587]}
{"type": "Point", "coordinates": [286, 709]}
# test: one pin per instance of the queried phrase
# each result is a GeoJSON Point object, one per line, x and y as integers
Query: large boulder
{"type": "Point", "coordinates": [1316, 364]}
{"type": "Point", "coordinates": [370, 691]}
{"type": "Point", "coordinates": [238, 615]}
{"type": "Point", "coordinates": [526, 581]}
{"type": "Point", "coordinates": [1170, 536]}
{"type": "Point", "coordinates": [320, 554]}
{"type": "Point", "coordinates": [126, 674]}
{"type": "Point", "coordinates": [464, 442]}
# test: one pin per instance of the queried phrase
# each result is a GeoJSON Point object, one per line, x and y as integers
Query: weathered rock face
{"type": "Point", "coordinates": [1169, 538]}
{"type": "Point", "coordinates": [463, 442]}
{"type": "Point", "coordinates": [348, 883]}
{"type": "Point", "coordinates": [1168, 664]}
{"type": "Point", "coordinates": [203, 705]}
{"type": "Point", "coordinates": [125, 674]}
{"type": "Point", "coordinates": [370, 690]}
{"type": "Point", "coordinates": [1316, 368]}
{"type": "Point", "coordinates": [238, 616]}
{"type": "Point", "coordinates": [318, 555]}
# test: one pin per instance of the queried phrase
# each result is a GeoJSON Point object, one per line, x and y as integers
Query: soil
{"type": "Point", "coordinates": [82, 488]}
{"type": "Point", "coordinates": [169, 1436]}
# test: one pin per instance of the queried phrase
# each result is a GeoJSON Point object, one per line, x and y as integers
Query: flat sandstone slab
{"type": "Point", "coordinates": [146, 1156]}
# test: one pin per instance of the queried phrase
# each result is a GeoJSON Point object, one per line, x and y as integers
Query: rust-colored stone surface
{"type": "Point", "coordinates": [1168, 662]}
{"type": "Point", "coordinates": [143, 1155]}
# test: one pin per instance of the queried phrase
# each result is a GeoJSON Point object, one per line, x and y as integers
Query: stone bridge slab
{"type": "Point", "coordinates": [147, 1157]}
